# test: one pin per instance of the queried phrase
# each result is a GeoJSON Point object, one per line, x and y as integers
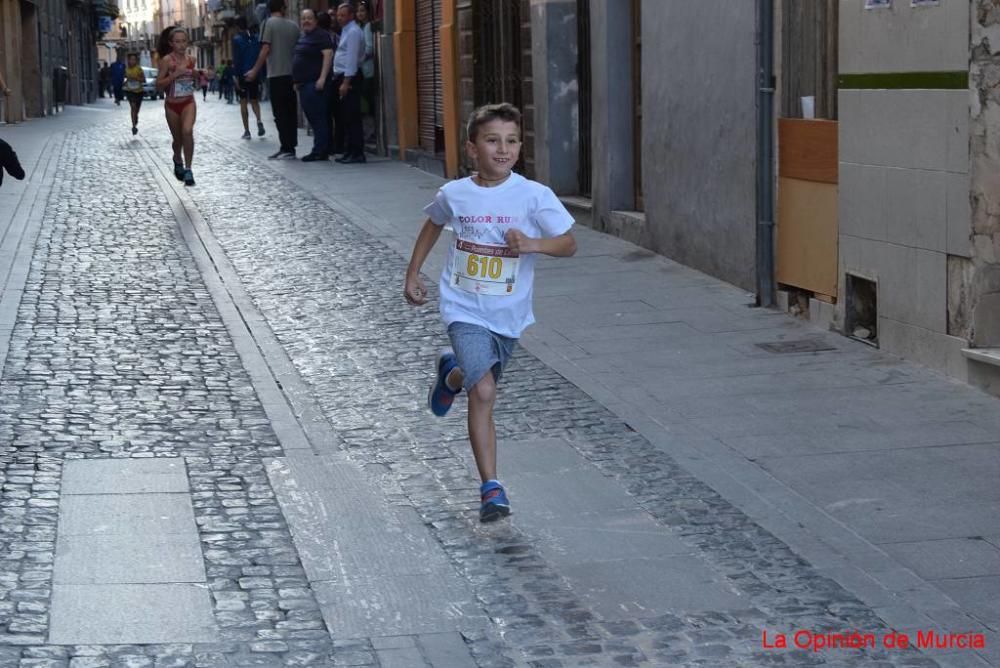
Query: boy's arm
{"type": "Point", "coordinates": [414, 289]}
{"type": "Point", "coordinates": [563, 245]}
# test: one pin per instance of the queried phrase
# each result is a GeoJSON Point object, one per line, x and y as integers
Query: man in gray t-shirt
{"type": "Point", "coordinates": [277, 49]}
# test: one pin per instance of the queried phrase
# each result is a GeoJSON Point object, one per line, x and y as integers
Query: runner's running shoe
{"type": "Point", "coordinates": [494, 501]}
{"type": "Point", "coordinates": [441, 397]}
{"type": "Point", "coordinates": [179, 171]}
{"type": "Point", "coordinates": [188, 178]}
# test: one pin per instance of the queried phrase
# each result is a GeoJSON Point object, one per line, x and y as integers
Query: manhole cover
{"type": "Point", "coordinates": [801, 346]}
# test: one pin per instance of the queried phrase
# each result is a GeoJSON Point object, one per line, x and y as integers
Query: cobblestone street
{"type": "Point", "coordinates": [215, 450]}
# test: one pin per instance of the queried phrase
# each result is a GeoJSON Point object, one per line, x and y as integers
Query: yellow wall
{"type": "Point", "coordinates": [405, 51]}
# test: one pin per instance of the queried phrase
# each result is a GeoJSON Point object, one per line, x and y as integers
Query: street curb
{"type": "Point", "coordinates": [297, 420]}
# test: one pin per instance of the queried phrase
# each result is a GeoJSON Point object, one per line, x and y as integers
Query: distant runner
{"type": "Point", "coordinates": [135, 79]}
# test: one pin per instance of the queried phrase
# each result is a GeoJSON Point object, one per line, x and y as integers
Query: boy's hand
{"type": "Point", "coordinates": [415, 291]}
{"type": "Point", "coordinates": [519, 242]}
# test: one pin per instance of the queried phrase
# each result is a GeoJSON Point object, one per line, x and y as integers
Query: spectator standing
{"type": "Point", "coordinates": [328, 21]}
{"type": "Point", "coordinates": [368, 86]}
{"type": "Point", "coordinates": [118, 81]}
{"type": "Point", "coordinates": [277, 50]}
{"type": "Point", "coordinates": [347, 93]}
{"type": "Point", "coordinates": [104, 80]}
{"type": "Point", "coordinates": [246, 49]}
{"type": "Point", "coordinates": [311, 72]}
{"type": "Point", "coordinates": [228, 74]}
{"type": "Point", "coordinates": [219, 69]}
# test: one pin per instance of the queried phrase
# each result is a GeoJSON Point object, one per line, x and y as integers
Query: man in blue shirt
{"type": "Point", "coordinates": [246, 48]}
{"type": "Point", "coordinates": [118, 80]}
{"type": "Point", "coordinates": [349, 132]}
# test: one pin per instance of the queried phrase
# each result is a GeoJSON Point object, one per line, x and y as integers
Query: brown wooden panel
{"type": "Point", "coordinates": [807, 235]}
{"type": "Point", "coordinates": [807, 149]}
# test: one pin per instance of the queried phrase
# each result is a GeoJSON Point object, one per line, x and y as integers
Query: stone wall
{"type": "Point", "coordinates": [980, 293]}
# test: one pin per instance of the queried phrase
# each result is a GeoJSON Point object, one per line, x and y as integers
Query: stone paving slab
{"type": "Point", "coordinates": [125, 476]}
{"type": "Point", "coordinates": [390, 605]}
{"type": "Point", "coordinates": [375, 570]}
{"type": "Point", "coordinates": [947, 559]}
{"type": "Point", "coordinates": [132, 514]}
{"type": "Point", "coordinates": [122, 559]}
{"type": "Point", "coordinates": [448, 650]}
{"type": "Point", "coordinates": [118, 614]}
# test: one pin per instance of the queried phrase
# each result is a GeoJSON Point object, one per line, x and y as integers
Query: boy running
{"type": "Point", "coordinates": [501, 222]}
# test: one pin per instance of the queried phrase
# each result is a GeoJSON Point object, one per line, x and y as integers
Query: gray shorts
{"type": "Point", "coordinates": [479, 350]}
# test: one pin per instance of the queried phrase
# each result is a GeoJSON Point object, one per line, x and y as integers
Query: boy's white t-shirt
{"type": "Point", "coordinates": [483, 282]}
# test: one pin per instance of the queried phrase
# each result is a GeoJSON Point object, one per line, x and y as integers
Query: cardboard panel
{"type": "Point", "coordinates": [807, 235]}
{"type": "Point", "coordinates": [807, 149]}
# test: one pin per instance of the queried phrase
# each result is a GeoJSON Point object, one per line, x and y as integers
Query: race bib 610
{"type": "Point", "coordinates": [484, 269]}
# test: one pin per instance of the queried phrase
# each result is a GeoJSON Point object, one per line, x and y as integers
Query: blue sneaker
{"type": "Point", "coordinates": [494, 501]}
{"type": "Point", "coordinates": [441, 397]}
{"type": "Point", "coordinates": [179, 171]}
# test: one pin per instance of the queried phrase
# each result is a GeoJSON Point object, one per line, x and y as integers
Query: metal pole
{"type": "Point", "coordinates": [765, 153]}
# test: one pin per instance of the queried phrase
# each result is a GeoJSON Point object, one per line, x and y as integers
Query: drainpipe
{"type": "Point", "coordinates": [765, 153]}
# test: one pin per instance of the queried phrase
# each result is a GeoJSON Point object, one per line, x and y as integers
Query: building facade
{"type": "Point", "coordinates": [48, 54]}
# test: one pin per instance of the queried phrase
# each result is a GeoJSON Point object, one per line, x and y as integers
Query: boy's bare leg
{"type": "Point", "coordinates": [482, 431]}
{"type": "Point", "coordinates": [256, 110]}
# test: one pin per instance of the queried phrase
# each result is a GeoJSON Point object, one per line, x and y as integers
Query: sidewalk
{"type": "Point", "coordinates": [880, 473]}
{"type": "Point", "coordinates": [238, 360]}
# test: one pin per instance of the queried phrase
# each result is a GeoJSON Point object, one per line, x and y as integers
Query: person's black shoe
{"type": "Point", "coordinates": [260, 129]}
{"type": "Point", "coordinates": [315, 157]}
{"type": "Point", "coordinates": [281, 155]}
{"type": "Point", "coordinates": [352, 159]}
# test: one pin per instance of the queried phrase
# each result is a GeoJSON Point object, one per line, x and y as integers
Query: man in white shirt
{"type": "Point", "coordinates": [349, 134]}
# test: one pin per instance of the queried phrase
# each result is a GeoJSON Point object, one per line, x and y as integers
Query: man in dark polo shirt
{"type": "Point", "coordinates": [311, 73]}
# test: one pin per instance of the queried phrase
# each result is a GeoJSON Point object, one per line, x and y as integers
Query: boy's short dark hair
{"type": "Point", "coordinates": [503, 111]}
{"type": "Point", "coordinates": [276, 5]}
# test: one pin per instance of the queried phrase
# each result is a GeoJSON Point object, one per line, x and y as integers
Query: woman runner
{"type": "Point", "coordinates": [135, 78]}
{"type": "Point", "coordinates": [178, 77]}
